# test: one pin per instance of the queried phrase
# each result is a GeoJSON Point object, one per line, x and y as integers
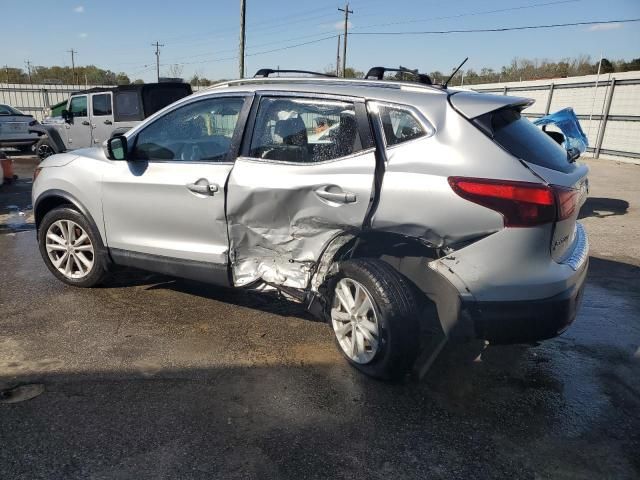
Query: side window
{"type": "Point", "coordinates": [101, 104]}
{"type": "Point", "coordinates": [127, 106]}
{"type": "Point", "coordinates": [400, 124]}
{"type": "Point", "coordinates": [304, 131]}
{"type": "Point", "coordinates": [199, 131]}
{"type": "Point", "coordinates": [78, 106]}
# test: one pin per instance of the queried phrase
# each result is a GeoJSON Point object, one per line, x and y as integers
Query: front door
{"type": "Point", "coordinates": [306, 175]}
{"type": "Point", "coordinates": [79, 127]}
{"type": "Point", "coordinates": [164, 209]}
{"type": "Point", "coordinates": [101, 117]}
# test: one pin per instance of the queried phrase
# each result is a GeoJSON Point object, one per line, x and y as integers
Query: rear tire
{"type": "Point", "coordinates": [25, 148]}
{"type": "Point", "coordinates": [71, 248]}
{"type": "Point", "coordinates": [374, 315]}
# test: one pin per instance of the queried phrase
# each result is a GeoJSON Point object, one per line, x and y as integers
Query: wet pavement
{"type": "Point", "coordinates": [153, 377]}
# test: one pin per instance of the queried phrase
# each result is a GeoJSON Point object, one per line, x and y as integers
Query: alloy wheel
{"type": "Point", "coordinates": [355, 321]}
{"type": "Point", "coordinates": [44, 151]}
{"type": "Point", "coordinates": [70, 249]}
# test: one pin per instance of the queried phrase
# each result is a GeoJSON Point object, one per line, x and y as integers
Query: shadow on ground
{"type": "Point", "coordinates": [603, 207]}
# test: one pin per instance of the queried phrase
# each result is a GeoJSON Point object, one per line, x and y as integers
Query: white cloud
{"type": "Point", "coordinates": [340, 25]}
{"type": "Point", "coordinates": [83, 35]}
{"type": "Point", "coordinates": [601, 27]}
{"type": "Point", "coordinates": [79, 9]}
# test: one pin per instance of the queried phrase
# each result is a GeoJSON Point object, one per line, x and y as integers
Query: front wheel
{"type": "Point", "coordinates": [374, 315]}
{"type": "Point", "coordinates": [72, 248]}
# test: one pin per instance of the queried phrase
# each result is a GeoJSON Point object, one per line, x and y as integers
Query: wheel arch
{"type": "Point", "coordinates": [410, 257]}
{"type": "Point", "coordinates": [54, 198]}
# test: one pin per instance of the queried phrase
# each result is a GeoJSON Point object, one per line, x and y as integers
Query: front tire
{"type": "Point", "coordinates": [374, 315]}
{"type": "Point", "coordinates": [71, 248]}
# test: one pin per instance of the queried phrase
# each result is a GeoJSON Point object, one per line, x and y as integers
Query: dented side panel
{"type": "Point", "coordinates": [278, 221]}
{"type": "Point", "coordinates": [416, 199]}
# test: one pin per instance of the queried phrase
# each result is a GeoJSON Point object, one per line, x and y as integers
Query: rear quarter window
{"type": "Point", "coordinates": [400, 124]}
{"type": "Point", "coordinates": [516, 134]}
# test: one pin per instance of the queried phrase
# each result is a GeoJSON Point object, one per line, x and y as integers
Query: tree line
{"type": "Point", "coordinates": [519, 69]}
{"type": "Point", "coordinates": [85, 75]}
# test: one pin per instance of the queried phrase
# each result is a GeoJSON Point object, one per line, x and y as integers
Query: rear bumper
{"type": "Point", "coordinates": [527, 320]}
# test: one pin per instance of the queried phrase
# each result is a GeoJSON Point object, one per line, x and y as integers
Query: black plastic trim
{"type": "Point", "coordinates": [66, 196]}
{"type": "Point", "coordinates": [216, 274]}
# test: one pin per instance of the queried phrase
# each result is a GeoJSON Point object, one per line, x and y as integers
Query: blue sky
{"type": "Point", "coordinates": [202, 35]}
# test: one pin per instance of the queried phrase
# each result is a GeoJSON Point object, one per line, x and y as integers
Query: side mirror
{"type": "Point", "coordinates": [66, 116]}
{"type": "Point", "coordinates": [117, 148]}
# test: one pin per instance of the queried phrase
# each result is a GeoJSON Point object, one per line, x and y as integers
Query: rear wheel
{"type": "Point", "coordinates": [374, 318]}
{"type": "Point", "coordinates": [44, 148]}
{"type": "Point", "coordinates": [25, 148]}
{"type": "Point", "coordinates": [71, 248]}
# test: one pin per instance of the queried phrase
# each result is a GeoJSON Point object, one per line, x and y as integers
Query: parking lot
{"type": "Point", "coordinates": [161, 378]}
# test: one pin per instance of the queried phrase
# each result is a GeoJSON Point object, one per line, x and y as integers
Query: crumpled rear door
{"type": "Point", "coordinates": [288, 196]}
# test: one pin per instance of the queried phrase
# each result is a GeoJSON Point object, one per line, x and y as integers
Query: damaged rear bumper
{"type": "Point", "coordinates": [527, 320]}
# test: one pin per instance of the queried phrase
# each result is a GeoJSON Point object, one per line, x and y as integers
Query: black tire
{"type": "Point", "coordinates": [44, 148]}
{"type": "Point", "coordinates": [25, 148]}
{"type": "Point", "coordinates": [99, 270]}
{"type": "Point", "coordinates": [397, 308]}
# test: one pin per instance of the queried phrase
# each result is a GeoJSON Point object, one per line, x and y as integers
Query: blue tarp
{"type": "Point", "coordinates": [567, 121]}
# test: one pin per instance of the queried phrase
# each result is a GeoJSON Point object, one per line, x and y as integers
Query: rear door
{"type": "Point", "coordinates": [79, 127]}
{"type": "Point", "coordinates": [306, 175]}
{"type": "Point", "coordinates": [101, 116]}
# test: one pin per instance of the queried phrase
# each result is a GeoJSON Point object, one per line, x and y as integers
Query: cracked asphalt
{"type": "Point", "coordinates": [153, 377]}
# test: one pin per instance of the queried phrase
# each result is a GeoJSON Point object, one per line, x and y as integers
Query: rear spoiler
{"type": "Point", "coordinates": [472, 104]}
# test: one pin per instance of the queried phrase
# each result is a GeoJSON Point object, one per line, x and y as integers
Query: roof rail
{"type": "Point", "coordinates": [265, 72]}
{"type": "Point", "coordinates": [356, 82]}
{"type": "Point", "coordinates": [378, 74]}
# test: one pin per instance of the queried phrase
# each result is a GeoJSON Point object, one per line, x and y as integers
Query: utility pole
{"type": "Point", "coordinates": [28, 64]}
{"type": "Point", "coordinates": [344, 45]}
{"type": "Point", "coordinates": [338, 58]}
{"type": "Point", "coordinates": [6, 69]}
{"type": "Point", "coordinates": [73, 64]}
{"type": "Point", "coordinates": [157, 45]}
{"type": "Point", "coordinates": [243, 11]}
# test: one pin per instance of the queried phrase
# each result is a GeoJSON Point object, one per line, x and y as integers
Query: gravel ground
{"type": "Point", "coordinates": [153, 377]}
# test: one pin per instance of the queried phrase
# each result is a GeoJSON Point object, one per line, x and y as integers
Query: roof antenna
{"type": "Point", "coordinates": [444, 85]}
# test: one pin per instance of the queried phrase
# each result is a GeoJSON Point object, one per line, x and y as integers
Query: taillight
{"type": "Point", "coordinates": [567, 201]}
{"type": "Point", "coordinates": [36, 172]}
{"type": "Point", "coordinates": [522, 204]}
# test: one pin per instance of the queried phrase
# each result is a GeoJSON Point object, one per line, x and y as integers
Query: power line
{"type": "Point", "coordinates": [502, 29]}
{"type": "Point", "coordinates": [471, 14]}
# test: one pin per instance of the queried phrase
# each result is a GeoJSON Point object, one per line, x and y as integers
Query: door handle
{"type": "Point", "coordinates": [203, 188]}
{"type": "Point", "coordinates": [338, 197]}
{"type": "Point", "coordinates": [86, 123]}
{"type": "Point", "coordinates": [108, 122]}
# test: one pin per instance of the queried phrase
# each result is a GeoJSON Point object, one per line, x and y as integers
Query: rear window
{"type": "Point", "coordinates": [523, 139]}
{"type": "Point", "coordinates": [156, 97]}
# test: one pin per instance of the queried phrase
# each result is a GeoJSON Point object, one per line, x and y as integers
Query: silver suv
{"type": "Point", "coordinates": [422, 213]}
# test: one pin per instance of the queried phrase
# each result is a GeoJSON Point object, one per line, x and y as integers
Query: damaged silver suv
{"type": "Point", "coordinates": [394, 211]}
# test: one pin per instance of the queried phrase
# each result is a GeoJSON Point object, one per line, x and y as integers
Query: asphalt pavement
{"type": "Point", "coordinates": [153, 377]}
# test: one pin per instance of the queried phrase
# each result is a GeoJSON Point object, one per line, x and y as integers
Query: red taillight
{"type": "Point", "coordinates": [522, 204]}
{"type": "Point", "coordinates": [567, 201]}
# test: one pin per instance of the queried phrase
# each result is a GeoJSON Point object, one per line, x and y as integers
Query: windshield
{"type": "Point", "coordinates": [521, 138]}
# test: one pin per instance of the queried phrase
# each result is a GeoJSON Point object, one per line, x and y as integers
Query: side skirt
{"type": "Point", "coordinates": [213, 273]}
